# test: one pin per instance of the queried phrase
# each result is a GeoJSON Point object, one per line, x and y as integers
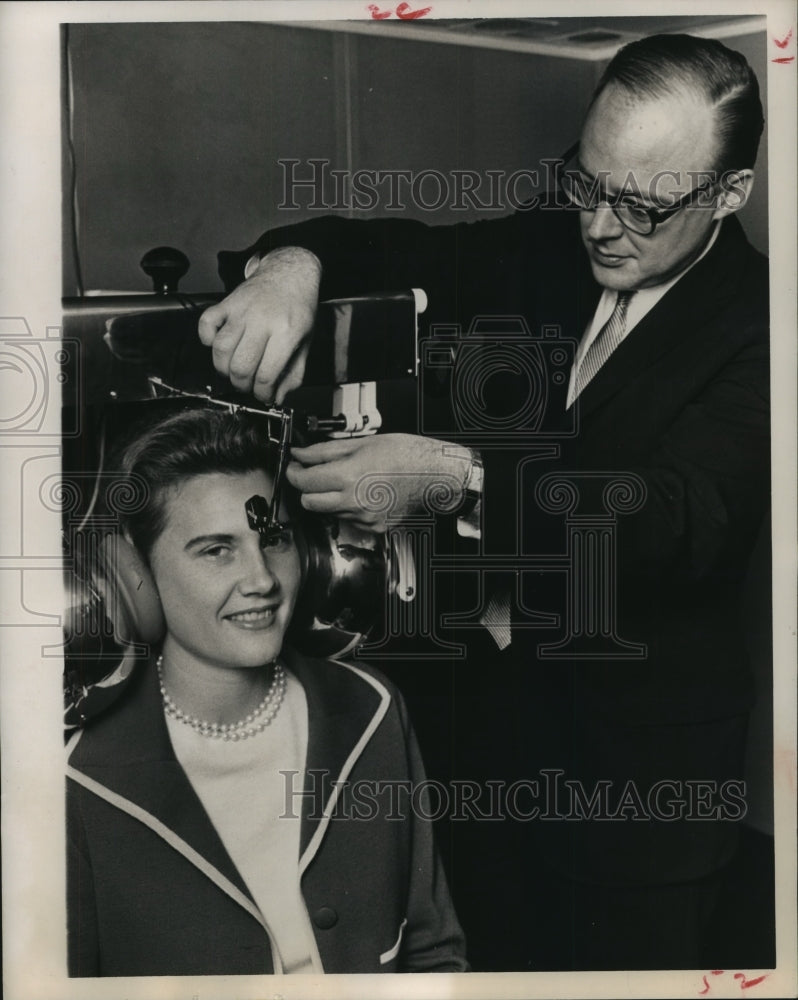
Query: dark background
{"type": "Point", "coordinates": [177, 128]}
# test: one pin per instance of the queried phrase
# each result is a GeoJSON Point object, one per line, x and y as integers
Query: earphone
{"type": "Point", "coordinates": [128, 588]}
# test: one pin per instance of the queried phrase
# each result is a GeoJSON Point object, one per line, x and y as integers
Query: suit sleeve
{"type": "Point", "coordinates": [464, 268]}
{"type": "Point", "coordinates": [707, 483]}
{"type": "Point", "coordinates": [433, 939]}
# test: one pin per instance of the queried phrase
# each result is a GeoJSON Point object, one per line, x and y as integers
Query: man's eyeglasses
{"type": "Point", "coordinates": [584, 192]}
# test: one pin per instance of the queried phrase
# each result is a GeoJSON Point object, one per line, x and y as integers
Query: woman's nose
{"type": "Point", "coordinates": [257, 576]}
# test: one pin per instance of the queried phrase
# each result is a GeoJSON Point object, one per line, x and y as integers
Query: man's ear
{"type": "Point", "coordinates": [128, 588]}
{"type": "Point", "coordinates": [735, 190]}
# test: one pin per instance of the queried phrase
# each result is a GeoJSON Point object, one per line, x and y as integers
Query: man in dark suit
{"type": "Point", "coordinates": [668, 393]}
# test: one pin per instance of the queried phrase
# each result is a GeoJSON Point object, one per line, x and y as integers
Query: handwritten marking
{"type": "Point", "coordinates": [745, 984]}
{"type": "Point", "coordinates": [748, 983]}
{"type": "Point", "coordinates": [783, 59]}
{"type": "Point", "coordinates": [403, 12]}
{"type": "Point", "coordinates": [782, 44]}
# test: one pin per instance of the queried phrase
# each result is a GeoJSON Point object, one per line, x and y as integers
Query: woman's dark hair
{"type": "Point", "coordinates": [658, 65]}
{"type": "Point", "coordinates": [186, 444]}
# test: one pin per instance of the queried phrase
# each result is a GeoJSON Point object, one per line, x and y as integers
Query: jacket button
{"type": "Point", "coordinates": [325, 917]}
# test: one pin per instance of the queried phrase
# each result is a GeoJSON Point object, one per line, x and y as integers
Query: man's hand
{"type": "Point", "coordinates": [259, 333]}
{"type": "Point", "coordinates": [372, 480]}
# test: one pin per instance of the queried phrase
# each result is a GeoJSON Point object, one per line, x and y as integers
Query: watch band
{"type": "Point", "coordinates": [472, 487]}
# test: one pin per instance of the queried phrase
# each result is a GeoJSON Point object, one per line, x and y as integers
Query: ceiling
{"type": "Point", "coordinates": [586, 38]}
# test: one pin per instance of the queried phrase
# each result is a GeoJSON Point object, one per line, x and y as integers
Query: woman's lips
{"type": "Point", "coordinates": [254, 618]}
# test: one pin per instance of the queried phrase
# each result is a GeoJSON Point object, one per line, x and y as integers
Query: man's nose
{"type": "Point", "coordinates": [256, 574]}
{"type": "Point", "coordinates": [604, 224]}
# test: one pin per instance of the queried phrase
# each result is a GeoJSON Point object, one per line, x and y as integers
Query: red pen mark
{"type": "Point", "coordinates": [706, 989]}
{"type": "Point", "coordinates": [377, 14]}
{"type": "Point", "coordinates": [784, 42]}
{"type": "Point", "coordinates": [745, 984]}
{"type": "Point", "coordinates": [783, 59]}
{"type": "Point", "coordinates": [748, 983]}
{"type": "Point", "coordinates": [403, 11]}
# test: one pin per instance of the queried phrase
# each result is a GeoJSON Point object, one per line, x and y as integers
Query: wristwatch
{"type": "Point", "coordinates": [472, 487]}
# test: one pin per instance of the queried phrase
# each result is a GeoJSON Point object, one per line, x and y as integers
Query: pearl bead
{"type": "Point", "coordinates": [235, 731]}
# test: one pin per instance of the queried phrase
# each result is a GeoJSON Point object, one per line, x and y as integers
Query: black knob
{"type": "Point", "coordinates": [166, 266]}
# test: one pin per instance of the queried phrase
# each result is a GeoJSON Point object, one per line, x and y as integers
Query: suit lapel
{"type": "Point", "coordinates": [345, 708]}
{"type": "Point", "coordinates": [130, 758]}
{"type": "Point", "coordinates": [130, 762]}
{"type": "Point", "coordinates": [673, 320]}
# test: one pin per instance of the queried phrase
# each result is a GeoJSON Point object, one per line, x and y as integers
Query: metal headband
{"type": "Point", "coordinates": [261, 514]}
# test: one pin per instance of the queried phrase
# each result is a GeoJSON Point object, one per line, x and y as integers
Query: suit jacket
{"type": "Point", "coordinates": [152, 890]}
{"type": "Point", "coordinates": [681, 410]}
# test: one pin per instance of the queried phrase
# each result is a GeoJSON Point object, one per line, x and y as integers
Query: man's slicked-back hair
{"type": "Point", "coordinates": [656, 66]}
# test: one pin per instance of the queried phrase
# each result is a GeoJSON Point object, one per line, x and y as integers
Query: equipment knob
{"type": "Point", "coordinates": [166, 266]}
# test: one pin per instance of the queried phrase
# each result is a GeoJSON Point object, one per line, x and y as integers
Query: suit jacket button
{"type": "Point", "coordinates": [325, 917]}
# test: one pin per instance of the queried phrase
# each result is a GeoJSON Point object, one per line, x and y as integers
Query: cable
{"type": "Point", "coordinates": [100, 464]}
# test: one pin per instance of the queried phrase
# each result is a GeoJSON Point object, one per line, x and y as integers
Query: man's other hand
{"type": "Point", "coordinates": [259, 333]}
{"type": "Point", "coordinates": [371, 480]}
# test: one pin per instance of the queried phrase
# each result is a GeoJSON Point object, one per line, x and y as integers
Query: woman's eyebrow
{"type": "Point", "coordinates": [204, 539]}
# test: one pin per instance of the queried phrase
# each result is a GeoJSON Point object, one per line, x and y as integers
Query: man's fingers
{"type": "Point", "coordinates": [281, 368]}
{"type": "Point", "coordinates": [326, 451]}
{"type": "Point", "coordinates": [323, 503]}
{"type": "Point", "coordinates": [224, 345]}
{"type": "Point", "coordinates": [316, 478]}
{"type": "Point", "coordinates": [251, 347]}
{"type": "Point", "coordinates": [210, 321]}
{"type": "Point", "coordinates": [336, 504]}
{"type": "Point", "coordinates": [292, 377]}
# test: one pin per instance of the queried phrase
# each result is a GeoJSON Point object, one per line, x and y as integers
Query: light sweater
{"type": "Point", "coordinates": [245, 795]}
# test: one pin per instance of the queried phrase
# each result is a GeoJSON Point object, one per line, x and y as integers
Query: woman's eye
{"type": "Point", "coordinates": [216, 551]}
{"type": "Point", "coordinates": [278, 540]}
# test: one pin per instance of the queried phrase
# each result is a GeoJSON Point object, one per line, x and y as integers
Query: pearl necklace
{"type": "Point", "coordinates": [251, 725]}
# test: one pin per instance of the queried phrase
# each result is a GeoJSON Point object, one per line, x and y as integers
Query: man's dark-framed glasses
{"type": "Point", "coordinates": [585, 193]}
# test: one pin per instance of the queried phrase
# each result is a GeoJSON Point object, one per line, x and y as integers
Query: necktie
{"type": "Point", "coordinates": [605, 342]}
{"type": "Point", "coordinates": [496, 617]}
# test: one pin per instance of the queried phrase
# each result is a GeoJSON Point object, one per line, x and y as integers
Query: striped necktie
{"type": "Point", "coordinates": [496, 617]}
{"type": "Point", "coordinates": [605, 342]}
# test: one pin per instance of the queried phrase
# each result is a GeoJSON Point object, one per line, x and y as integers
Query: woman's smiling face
{"type": "Point", "coordinates": [227, 602]}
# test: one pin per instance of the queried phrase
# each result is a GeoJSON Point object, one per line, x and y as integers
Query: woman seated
{"type": "Point", "coordinates": [243, 809]}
